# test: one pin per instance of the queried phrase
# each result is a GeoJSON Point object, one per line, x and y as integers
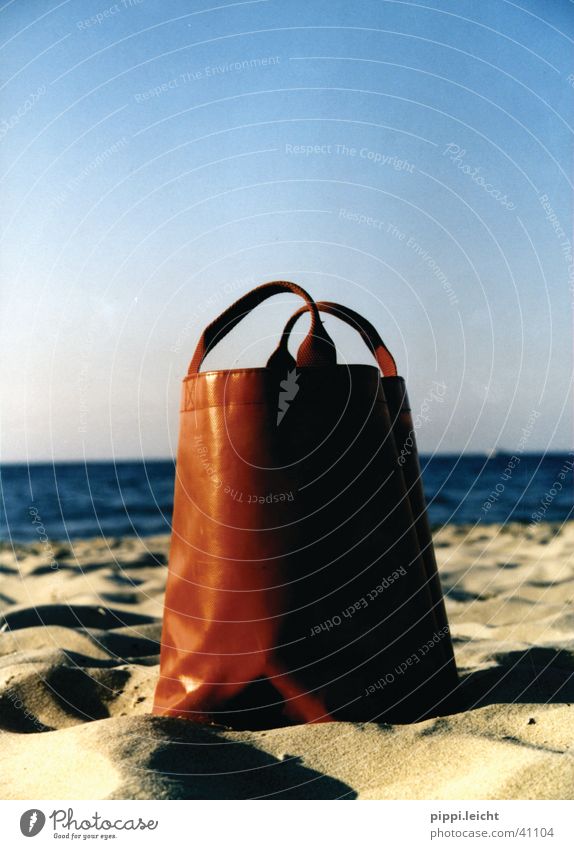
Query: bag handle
{"type": "Point", "coordinates": [317, 349]}
{"type": "Point", "coordinates": [281, 358]}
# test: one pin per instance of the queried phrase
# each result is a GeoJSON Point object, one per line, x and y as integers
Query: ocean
{"type": "Point", "coordinates": [72, 500]}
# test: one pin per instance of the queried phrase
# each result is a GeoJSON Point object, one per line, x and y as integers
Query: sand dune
{"type": "Point", "coordinates": [79, 661]}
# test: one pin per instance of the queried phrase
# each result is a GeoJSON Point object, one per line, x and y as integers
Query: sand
{"type": "Point", "coordinates": [79, 662]}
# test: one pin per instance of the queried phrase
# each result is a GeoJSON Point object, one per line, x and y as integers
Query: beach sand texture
{"type": "Point", "coordinates": [79, 662]}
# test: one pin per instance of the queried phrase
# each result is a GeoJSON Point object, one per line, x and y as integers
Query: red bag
{"type": "Point", "coordinates": [302, 585]}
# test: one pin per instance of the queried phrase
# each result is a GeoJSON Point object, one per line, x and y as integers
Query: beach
{"type": "Point", "coordinates": [79, 662]}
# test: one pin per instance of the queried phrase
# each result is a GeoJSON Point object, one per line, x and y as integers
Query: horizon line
{"type": "Point", "coordinates": [124, 460]}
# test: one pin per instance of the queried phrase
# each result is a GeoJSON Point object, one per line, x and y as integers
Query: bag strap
{"type": "Point", "coordinates": [282, 359]}
{"type": "Point", "coordinates": [317, 349]}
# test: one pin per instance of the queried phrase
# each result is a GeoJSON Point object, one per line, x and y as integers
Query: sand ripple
{"type": "Point", "coordinates": [79, 652]}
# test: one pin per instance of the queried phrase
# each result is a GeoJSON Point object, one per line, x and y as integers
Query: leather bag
{"type": "Point", "coordinates": [302, 584]}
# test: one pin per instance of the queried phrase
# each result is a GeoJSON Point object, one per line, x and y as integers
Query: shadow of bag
{"type": "Point", "coordinates": [302, 584]}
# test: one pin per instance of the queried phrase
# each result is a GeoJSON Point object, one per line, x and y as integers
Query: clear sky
{"type": "Point", "coordinates": [412, 160]}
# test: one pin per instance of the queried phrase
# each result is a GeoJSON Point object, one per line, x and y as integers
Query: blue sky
{"type": "Point", "coordinates": [159, 159]}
